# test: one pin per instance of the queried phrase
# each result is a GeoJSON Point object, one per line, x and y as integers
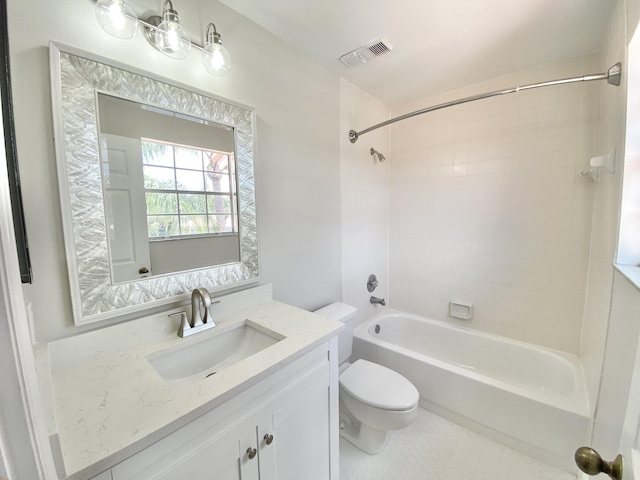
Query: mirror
{"type": "Point", "coordinates": [156, 185]}
{"type": "Point", "coordinates": [169, 188]}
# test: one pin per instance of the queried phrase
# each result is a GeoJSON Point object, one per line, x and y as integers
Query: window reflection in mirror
{"type": "Point", "coordinates": [169, 185]}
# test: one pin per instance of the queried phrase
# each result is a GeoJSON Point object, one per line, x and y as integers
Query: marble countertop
{"type": "Point", "coordinates": [110, 407]}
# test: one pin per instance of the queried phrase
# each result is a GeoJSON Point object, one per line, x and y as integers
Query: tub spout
{"type": "Point", "coordinates": [378, 300]}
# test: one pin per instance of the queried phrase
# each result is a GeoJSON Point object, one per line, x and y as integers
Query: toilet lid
{"type": "Point", "coordinates": [379, 386]}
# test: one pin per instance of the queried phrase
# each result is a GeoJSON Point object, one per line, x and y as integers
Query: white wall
{"type": "Point", "coordinates": [619, 295]}
{"type": "Point", "coordinates": [488, 207]}
{"type": "Point", "coordinates": [606, 206]}
{"type": "Point", "coordinates": [297, 157]}
{"type": "Point", "coordinates": [365, 200]}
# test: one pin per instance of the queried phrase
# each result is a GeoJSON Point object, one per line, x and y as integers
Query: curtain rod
{"type": "Point", "coordinates": [612, 76]}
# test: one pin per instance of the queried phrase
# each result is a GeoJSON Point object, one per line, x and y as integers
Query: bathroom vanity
{"type": "Point", "coordinates": [272, 414]}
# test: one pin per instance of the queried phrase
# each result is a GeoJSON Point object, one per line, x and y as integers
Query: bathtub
{"type": "Point", "coordinates": [530, 398]}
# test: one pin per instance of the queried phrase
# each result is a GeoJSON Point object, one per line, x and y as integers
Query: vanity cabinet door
{"type": "Point", "coordinates": [294, 441]}
{"type": "Point", "coordinates": [217, 457]}
{"type": "Point", "coordinates": [224, 458]}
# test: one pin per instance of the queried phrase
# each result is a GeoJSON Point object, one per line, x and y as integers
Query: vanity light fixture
{"type": "Point", "coordinates": [216, 58]}
{"type": "Point", "coordinates": [117, 18]}
{"type": "Point", "coordinates": [170, 38]}
{"type": "Point", "coordinates": [164, 32]}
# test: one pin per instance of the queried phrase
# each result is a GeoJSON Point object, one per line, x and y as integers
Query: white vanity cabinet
{"type": "Point", "coordinates": [284, 427]}
{"type": "Point", "coordinates": [299, 431]}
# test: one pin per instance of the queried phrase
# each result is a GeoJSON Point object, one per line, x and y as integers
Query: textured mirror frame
{"type": "Point", "coordinates": [75, 81]}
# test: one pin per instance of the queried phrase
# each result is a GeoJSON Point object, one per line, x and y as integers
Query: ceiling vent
{"type": "Point", "coordinates": [367, 52]}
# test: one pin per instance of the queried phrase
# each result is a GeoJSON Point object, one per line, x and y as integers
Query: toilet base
{"type": "Point", "coordinates": [368, 439]}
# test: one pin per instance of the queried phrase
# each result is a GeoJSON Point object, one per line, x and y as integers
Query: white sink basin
{"type": "Point", "coordinates": [208, 352]}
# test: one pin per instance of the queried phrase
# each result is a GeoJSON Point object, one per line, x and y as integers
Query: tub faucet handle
{"type": "Point", "coordinates": [372, 283]}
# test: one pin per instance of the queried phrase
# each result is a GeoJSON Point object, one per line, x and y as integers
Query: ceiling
{"type": "Point", "coordinates": [438, 45]}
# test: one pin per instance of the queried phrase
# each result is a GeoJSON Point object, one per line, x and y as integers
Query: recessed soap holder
{"type": "Point", "coordinates": [461, 310]}
{"type": "Point", "coordinates": [596, 164]}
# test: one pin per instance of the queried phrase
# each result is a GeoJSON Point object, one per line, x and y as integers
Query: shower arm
{"type": "Point", "coordinates": [612, 76]}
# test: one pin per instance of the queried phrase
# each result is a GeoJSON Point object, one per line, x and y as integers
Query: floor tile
{"type": "Point", "coordinates": [434, 448]}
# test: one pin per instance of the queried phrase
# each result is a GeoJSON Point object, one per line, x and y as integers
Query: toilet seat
{"type": "Point", "coordinates": [379, 387]}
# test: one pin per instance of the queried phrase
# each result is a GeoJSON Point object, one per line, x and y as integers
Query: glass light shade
{"type": "Point", "coordinates": [217, 60]}
{"type": "Point", "coordinates": [171, 38]}
{"type": "Point", "coordinates": [117, 18]}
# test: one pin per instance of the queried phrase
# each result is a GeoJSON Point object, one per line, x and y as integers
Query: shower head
{"type": "Point", "coordinates": [377, 154]}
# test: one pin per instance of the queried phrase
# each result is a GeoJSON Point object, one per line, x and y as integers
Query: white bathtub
{"type": "Point", "coordinates": [531, 398]}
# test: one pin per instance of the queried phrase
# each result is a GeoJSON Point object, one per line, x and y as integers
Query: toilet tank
{"type": "Point", "coordinates": [341, 312]}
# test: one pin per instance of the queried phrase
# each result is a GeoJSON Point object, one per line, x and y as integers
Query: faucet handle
{"type": "Point", "coordinates": [184, 323]}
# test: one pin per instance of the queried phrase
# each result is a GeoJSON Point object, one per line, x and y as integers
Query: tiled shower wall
{"type": "Point", "coordinates": [487, 206]}
{"type": "Point", "coordinates": [364, 200]}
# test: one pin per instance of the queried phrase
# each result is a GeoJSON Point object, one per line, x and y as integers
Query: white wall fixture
{"type": "Point", "coordinates": [596, 164]}
{"type": "Point", "coordinates": [165, 33]}
{"type": "Point", "coordinates": [461, 310]}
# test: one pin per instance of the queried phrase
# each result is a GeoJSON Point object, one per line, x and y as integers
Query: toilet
{"type": "Point", "coordinates": [373, 399]}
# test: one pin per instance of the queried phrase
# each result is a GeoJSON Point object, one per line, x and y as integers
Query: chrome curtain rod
{"type": "Point", "coordinates": [612, 76]}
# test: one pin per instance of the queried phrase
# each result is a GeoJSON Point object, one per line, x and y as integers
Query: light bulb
{"type": "Point", "coordinates": [117, 18]}
{"type": "Point", "coordinates": [173, 41]}
{"type": "Point", "coordinates": [217, 60]}
{"type": "Point", "coordinates": [170, 37]}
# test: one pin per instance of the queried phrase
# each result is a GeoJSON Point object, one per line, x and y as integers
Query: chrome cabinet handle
{"type": "Point", "coordinates": [251, 452]}
{"type": "Point", "coordinates": [268, 438]}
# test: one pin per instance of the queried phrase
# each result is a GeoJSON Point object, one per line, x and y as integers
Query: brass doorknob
{"type": "Point", "coordinates": [268, 438]}
{"type": "Point", "coordinates": [591, 463]}
{"type": "Point", "coordinates": [251, 452]}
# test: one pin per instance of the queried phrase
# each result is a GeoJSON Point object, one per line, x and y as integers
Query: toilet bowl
{"type": "Point", "coordinates": [374, 399]}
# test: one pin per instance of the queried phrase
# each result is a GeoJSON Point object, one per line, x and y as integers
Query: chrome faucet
{"type": "Point", "coordinates": [377, 300]}
{"type": "Point", "coordinates": [201, 316]}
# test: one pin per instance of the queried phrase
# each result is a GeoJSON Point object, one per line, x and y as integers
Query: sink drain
{"type": "Point", "coordinates": [212, 373]}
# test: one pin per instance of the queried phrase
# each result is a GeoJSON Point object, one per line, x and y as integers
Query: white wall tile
{"type": "Point", "coordinates": [495, 182]}
{"type": "Point", "coordinates": [365, 202]}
